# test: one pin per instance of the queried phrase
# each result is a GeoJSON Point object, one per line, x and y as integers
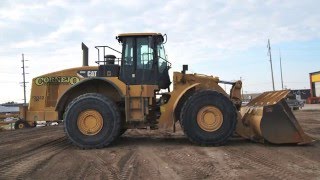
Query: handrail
{"type": "Point", "coordinates": [104, 53]}
{"type": "Point", "coordinates": [109, 48]}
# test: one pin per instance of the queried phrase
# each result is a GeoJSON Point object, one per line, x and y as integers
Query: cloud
{"type": "Point", "coordinates": [16, 12]}
{"type": "Point", "coordinates": [200, 33]}
{"type": "Point", "coordinates": [68, 28]}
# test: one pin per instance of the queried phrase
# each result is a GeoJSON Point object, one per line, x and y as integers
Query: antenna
{"type": "Point", "coordinates": [281, 70]}
{"type": "Point", "coordinates": [269, 53]}
{"type": "Point", "coordinates": [24, 80]}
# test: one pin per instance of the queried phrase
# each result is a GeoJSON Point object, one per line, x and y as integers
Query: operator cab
{"type": "Point", "coordinates": [144, 60]}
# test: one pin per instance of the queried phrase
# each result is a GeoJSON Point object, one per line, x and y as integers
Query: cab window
{"type": "Point", "coordinates": [144, 53]}
{"type": "Point", "coordinates": [162, 60]}
{"type": "Point", "coordinates": [128, 55]}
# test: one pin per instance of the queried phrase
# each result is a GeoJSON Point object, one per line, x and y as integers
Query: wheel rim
{"type": "Point", "coordinates": [209, 118]}
{"type": "Point", "coordinates": [90, 122]}
{"type": "Point", "coordinates": [21, 126]}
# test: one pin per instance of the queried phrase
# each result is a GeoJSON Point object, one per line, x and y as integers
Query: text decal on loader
{"type": "Point", "coordinates": [55, 80]}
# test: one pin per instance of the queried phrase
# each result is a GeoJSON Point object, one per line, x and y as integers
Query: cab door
{"type": "Point", "coordinates": [139, 61]}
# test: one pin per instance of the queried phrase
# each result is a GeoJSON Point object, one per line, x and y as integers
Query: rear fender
{"type": "Point", "coordinates": [95, 84]}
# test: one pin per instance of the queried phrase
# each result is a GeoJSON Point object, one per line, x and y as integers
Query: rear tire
{"type": "Point", "coordinates": [208, 118]}
{"type": "Point", "coordinates": [20, 124]}
{"type": "Point", "coordinates": [92, 121]}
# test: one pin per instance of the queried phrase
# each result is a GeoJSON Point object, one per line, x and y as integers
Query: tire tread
{"type": "Point", "coordinates": [183, 118]}
{"type": "Point", "coordinates": [110, 104]}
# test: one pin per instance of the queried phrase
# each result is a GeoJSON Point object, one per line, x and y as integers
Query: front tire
{"type": "Point", "coordinates": [92, 121]}
{"type": "Point", "coordinates": [208, 118]}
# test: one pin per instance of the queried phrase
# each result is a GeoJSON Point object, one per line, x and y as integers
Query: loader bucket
{"type": "Point", "coordinates": [269, 118]}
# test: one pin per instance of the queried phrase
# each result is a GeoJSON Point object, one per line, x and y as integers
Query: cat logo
{"type": "Point", "coordinates": [87, 73]}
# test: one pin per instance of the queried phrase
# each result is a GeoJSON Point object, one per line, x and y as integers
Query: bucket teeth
{"type": "Point", "coordinates": [269, 118]}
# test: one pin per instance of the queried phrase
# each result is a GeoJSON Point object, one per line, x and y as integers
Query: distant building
{"type": "Point", "coordinates": [8, 109]}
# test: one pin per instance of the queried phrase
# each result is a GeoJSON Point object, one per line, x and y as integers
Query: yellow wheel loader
{"type": "Point", "coordinates": [99, 103]}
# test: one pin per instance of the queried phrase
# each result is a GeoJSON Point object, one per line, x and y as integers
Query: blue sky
{"type": "Point", "coordinates": [222, 38]}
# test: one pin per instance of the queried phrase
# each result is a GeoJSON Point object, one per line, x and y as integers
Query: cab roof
{"type": "Point", "coordinates": [140, 34]}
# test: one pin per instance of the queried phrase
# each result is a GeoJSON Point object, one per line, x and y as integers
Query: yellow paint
{"type": "Point", "coordinates": [42, 92]}
{"type": "Point", "coordinates": [209, 118]}
{"type": "Point", "coordinates": [181, 84]}
{"type": "Point", "coordinates": [90, 122]}
{"type": "Point", "coordinates": [137, 101]}
{"type": "Point", "coordinates": [315, 78]}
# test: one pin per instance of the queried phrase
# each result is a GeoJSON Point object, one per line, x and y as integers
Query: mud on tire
{"type": "Point", "coordinates": [111, 120]}
{"type": "Point", "coordinates": [190, 111]}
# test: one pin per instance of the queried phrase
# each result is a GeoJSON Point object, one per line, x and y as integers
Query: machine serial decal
{"type": "Point", "coordinates": [38, 98]}
{"type": "Point", "coordinates": [56, 80]}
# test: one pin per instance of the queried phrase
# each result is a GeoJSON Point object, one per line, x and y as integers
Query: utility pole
{"type": "Point", "coordinates": [24, 81]}
{"type": "Point", "coordinates": [281, 70]}
{"type": "Point", "coordinates": [269, 53]}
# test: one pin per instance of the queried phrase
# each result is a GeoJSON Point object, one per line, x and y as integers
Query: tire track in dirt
{"type": "Point", "coordinates": [90, 170]}
{"type": "Point", "coordinates": [107, 167]}
{"type": "Point", "coordinates": [223, 166]}
{"type": "Point", "coordinates": [305, 165]}
{"type": "Point", "coordinates": [144, 168]}
{"type": "Point", "coordinates": [16, 149]}
{"type": "Point", "coordinates": [127, 164]}
{"type": "Point", "coordinates": [85, 170]}
{"type": "Point", "coordinates": [158, 167]}
{"type": "Point", "coordinates": [18, 166]}
{"type": "Point", "coordinates": [115, 164]}
{"type": "Point", "coordinates": [112, 164]}
{"type": "Point", "coordinates": [187, 163]}
{"type": "Point", "coordinates": [67, 164]}
{"type": "Point", "coordinates": [19, 135]}
{"type": "Point", "coordinates": [195, 169]}
{"type": "Point", "coordinates": [264, 164]}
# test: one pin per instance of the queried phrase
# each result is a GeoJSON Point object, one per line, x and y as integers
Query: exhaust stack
{"type": "Point", "coordinates": [85, 55]}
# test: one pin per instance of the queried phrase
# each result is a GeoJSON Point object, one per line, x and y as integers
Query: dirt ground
{"type": "Point", "coordinates": [46, 153]}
